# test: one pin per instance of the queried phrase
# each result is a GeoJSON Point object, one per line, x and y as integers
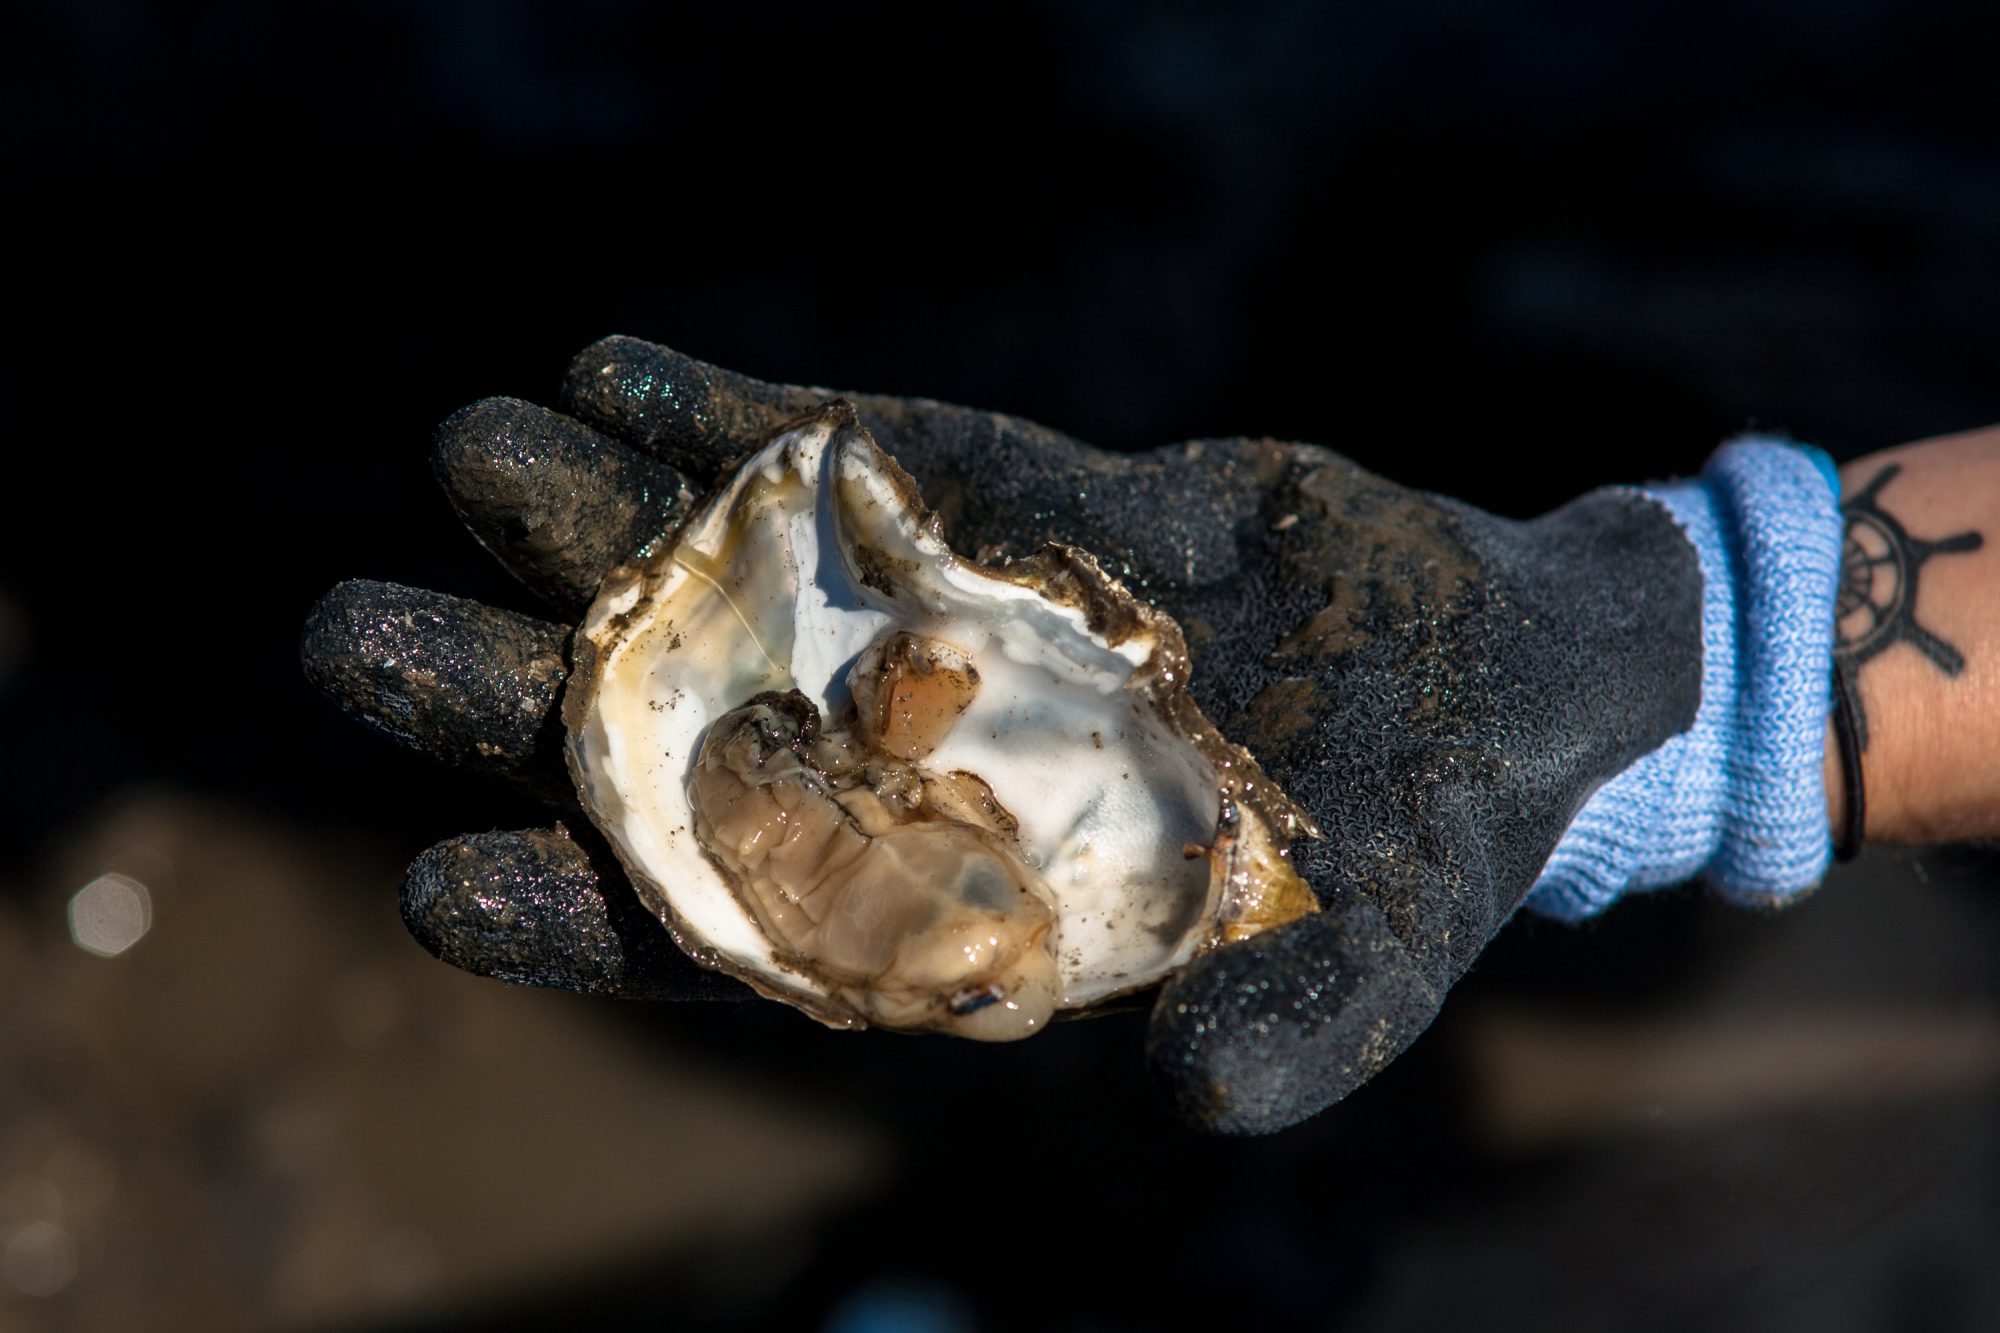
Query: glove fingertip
{"type": "Point", "coordinates": [1257, 1036]}
{"type": "Point", "coordinates": [556, 502]}
{"type": "Point", "coordinates": [532, 908]}
{"type": "Point", "coordinates": [468, 684]}
{"type": "Point", "coordinates": [696, 416]}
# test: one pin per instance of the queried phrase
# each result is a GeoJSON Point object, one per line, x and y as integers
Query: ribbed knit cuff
{"type": "Point", "coordinates": [1740, 795]}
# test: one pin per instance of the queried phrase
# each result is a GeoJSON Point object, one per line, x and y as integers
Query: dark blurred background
{"type": "Point", "coordinates": [1505, 250]}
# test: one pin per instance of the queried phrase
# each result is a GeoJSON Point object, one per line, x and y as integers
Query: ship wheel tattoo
{"type": "Point", "coordinates": [1877, 605]}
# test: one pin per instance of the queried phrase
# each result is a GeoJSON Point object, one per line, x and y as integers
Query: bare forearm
{"type": "Point", "coordinates": [1918, 638]}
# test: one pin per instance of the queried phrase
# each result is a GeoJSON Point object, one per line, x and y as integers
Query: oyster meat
{"type": "Point", "coordinates": [895, 787]}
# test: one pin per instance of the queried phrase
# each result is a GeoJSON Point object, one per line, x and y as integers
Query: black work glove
{"type": "Point", "coordinates": [1442, 689]}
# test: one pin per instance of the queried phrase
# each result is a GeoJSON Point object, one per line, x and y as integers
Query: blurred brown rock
{"type": "Point", "coordinates": [274, 1110]}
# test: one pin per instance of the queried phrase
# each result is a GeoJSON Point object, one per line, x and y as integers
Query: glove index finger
{"type": "Point", "coordinates": [698, 417]}
{"type": "Point", "coordinates": [703, 419]}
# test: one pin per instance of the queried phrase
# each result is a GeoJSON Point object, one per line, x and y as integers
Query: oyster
{"type": "Point", "coordinates": [891, 786]}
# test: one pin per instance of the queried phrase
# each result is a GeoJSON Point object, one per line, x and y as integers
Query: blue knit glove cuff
{"type": "Point", "coordinates": [1740, 796]}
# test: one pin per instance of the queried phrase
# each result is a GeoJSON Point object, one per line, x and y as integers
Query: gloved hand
{"type": "Point", "coordinates": [1441, 688]}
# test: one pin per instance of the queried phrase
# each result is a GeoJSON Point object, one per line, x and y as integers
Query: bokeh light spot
{"type": "Point", "coordinates": [110, 914]}
{"type": "Point", "coordinates": [40, 1259]}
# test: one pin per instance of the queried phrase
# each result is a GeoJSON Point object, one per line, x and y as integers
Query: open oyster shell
{"type": "Point", "coordinates": [892, 786]}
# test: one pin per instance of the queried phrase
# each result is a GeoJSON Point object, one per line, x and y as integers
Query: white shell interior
{"type": "Point", "coordinates": [767, 592]}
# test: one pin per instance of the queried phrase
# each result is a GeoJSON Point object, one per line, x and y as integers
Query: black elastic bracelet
{"type": "Point", "coordinates": [1854, 806]}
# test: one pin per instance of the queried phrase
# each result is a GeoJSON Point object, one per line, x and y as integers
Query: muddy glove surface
{"type": "Point", "coordinates": [1442, 689]}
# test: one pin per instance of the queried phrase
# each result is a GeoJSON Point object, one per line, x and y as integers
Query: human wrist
{"type": "Point", "coordinates": [1918, 635]}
